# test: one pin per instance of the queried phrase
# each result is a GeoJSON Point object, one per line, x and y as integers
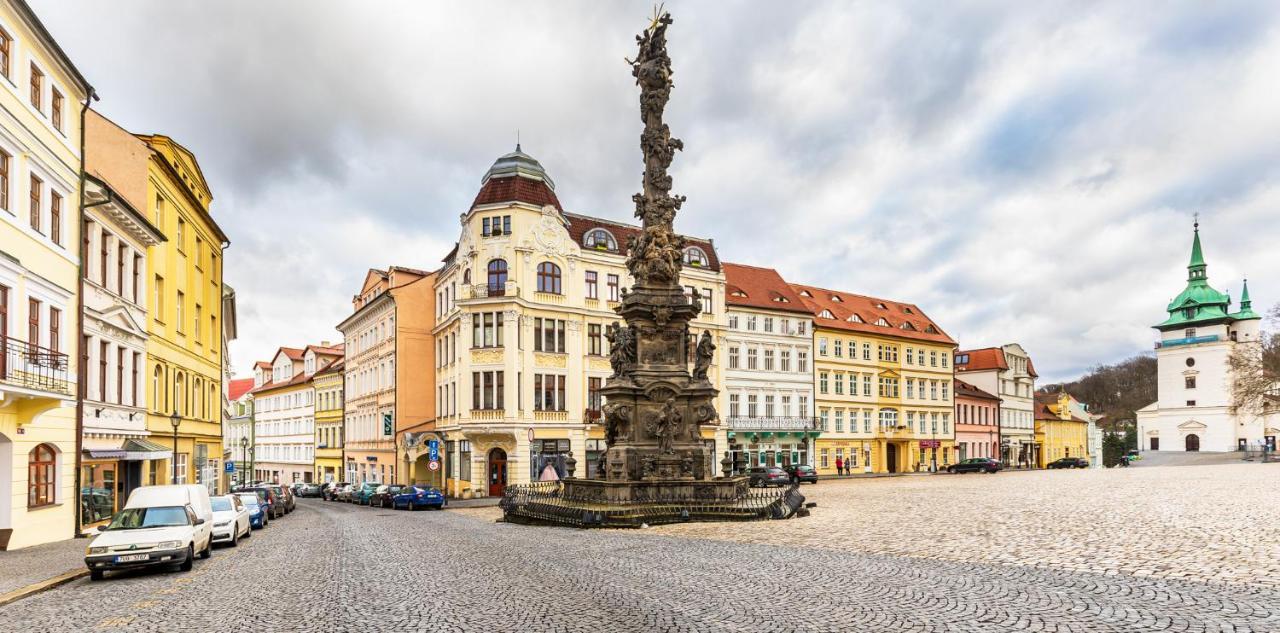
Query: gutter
{"type": "Point", "coordinates": [80, 348]}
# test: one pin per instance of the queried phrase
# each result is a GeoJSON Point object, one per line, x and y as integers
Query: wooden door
{"type": "Point", "coordinates": [891, 458]}
{"type": "Point", "coordinates": [497, 472]}
{"type": "Point", "coordinates": [1193, 443]}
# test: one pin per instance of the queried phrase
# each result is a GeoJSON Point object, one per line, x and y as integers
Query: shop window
{"type": "Point", "coordinates": [42, 476]}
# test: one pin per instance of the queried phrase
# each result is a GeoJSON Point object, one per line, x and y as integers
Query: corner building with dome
{"type": "Point", "coordinates": [1194, 411]}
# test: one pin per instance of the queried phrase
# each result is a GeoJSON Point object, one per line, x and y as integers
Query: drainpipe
{"type": "Point", "coordinates": [80, 349]}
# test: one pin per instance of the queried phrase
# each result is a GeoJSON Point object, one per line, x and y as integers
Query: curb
{"type": "Point", "coordinates": [42, 586]}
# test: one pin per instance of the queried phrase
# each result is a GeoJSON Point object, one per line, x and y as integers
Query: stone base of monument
{"type": "Point", "coordinates": [597, 503]}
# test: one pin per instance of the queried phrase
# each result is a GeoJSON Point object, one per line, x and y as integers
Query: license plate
{"type": "Point", "coordinates": [129, 558]}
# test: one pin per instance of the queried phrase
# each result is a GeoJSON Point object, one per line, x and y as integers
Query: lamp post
{"type": "Point", "coordinates": [244, 454]}
{"type": "Point", "coordinates": [175, 420]}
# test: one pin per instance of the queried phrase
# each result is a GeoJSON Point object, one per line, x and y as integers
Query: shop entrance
{"type": "Point", "coordinates": [891, 457]}
{"type": "Point", "coordinates": [497, 472]}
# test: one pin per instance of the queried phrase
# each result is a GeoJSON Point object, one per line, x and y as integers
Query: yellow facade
{"type": "Point", "coordinates": [184, 351]}
{"type": "Point", "coordinates": [1058, 431]}
{"type": "Point", "coordinates": [328, 416]}
{"type": "Point", "coordinates": [39, 284]}
{"type": "Point", "coordinates": [882, 398]}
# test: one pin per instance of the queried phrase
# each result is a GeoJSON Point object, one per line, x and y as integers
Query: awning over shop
{"type": "Point", "coordinates": [104, 453]}
{"type": "Point", "coordinates": [139, 449]}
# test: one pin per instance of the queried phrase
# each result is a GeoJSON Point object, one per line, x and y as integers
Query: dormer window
{"type": "Point", "coordinates": [805, 293]}
{"type": "Point", "coordinates": [881, 322]}
{"type": "Point", "coordinates": [907, 310]}
{"type": "Point", "coordinates": [739, 293]}
{"type": "Point", "coordinates": [826, 314]}
{"type": "Point", "coordinates": [495, 225]}
{"type": "Point", "coordinates": [837, 299]}
{"type": "Point", "coordinates": [853, 318]}
{"type": "Point", "coordinates": [781, 300]}
{"type": "Point", "coordinates": [600, 239]}
{"type": "Point", "coordinates": [931, 330]}
{"type": "Point", "coordinates": [907, 326]}
{"type": "Point", "coordinates": [882, 306]}
{"type": "Point", "coordinates": [696, 257]}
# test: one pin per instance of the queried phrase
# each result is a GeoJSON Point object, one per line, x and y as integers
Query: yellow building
{"type": "Point", "coordinates": [328, 417]}
{"type": "Point", "coordinates": [883, 384]}
{"type": "Point", "coordinates": [40, 133]}
{"type": "Point", "coordinates": [184, 351]}
{"type": "Point", "coordinates": [1059, 429]}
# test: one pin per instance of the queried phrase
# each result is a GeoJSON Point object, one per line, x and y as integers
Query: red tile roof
{"type": "Point", "coordinates": [755, 287]}
{"type": "Point", "coordinates": [297, 379]}
{"type": "Point", "coordinates": [516, 189]}
{"type": "Point", "coordinates": [292, 352]}
{"type": "Point", "coordinates": [842, 305]}
{"type": "Point", "coordinates": [264, 364]}
{"type": "Point", "coordinates": [1031, 368]}
{"type": "Point", "coordinates": [335, 367]}
{"type": "Point", "coordinates": [238, 387]}
{"type": "Point", "coordinates": [332, 350]}
{"type": "Point", "coordinates": [982, 359]}
{"type": "Point", "coordinates": [580, 225]}
{"type": "Point", "coordinates": [964, 389]}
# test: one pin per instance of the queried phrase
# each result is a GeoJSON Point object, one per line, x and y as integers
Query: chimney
{"type": "Point", "coordinates": [324, 344]}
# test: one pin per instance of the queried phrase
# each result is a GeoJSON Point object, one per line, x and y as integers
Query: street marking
{"type": "Point", "coordinates": [117, 622]}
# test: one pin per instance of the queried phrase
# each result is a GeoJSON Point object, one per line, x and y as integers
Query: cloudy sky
{"type": "Point", "coordinates": [1022, 171]}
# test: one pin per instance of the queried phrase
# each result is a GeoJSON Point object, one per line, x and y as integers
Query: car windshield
{"type": "Point", "coordinates": [249, 500]}
{"type": "Point", "coordinates": [220, 504]}
{"type": "Point", "coordinates": [138, 518]}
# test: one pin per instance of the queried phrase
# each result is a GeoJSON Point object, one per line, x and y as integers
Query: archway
{"type": "Point", "coordinates": [497, 472]}
{"type": "Point", "coordinates": [1193, 443]}
{"type": "Point", "coordinates": [891, 457]}
{"type": "Point", "coordinates": [6, 485]}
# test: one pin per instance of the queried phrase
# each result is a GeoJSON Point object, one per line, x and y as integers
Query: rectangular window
{"type": "Point", "coordinates": [178, 305]}
{"type": "Point", "coordinates": [55, 217]}
{"type": "Point", "coordinates": [104, 350]}
{"type": "Point", "coordinates": [4, 179]}
{"type": "Point", "coordinates": [804, 407]}
{"type": "Point", "coordinates": [839, 379]}
{"type": "Point", "coordinates": [866, 385]}
{"type": "Point", "coordinates": [612, 281]}
{"type": "Point", "coordinates": [486, 329]}
{"type": "Point", "coordinates": [752, 358]}
{"type": "Point", "coordinates": [593, 286]}
{"type": "Point", "coordinates": [733, 357]}
{"type": "Point", "coordinates": [37, 88]}
{"type": "Point", "coordinates": [866, 420]}
{"type": "Point", "coordinates": [822, 419]}
{"type": "Point", "coordinates": [33, 322]}
{"type": "Point", "coordinates": [135, 370]}
{"type": "Point", "coordinates": [768, 324]}
{"type": "Point", "coordinates": [548, 392]}
{"type": "Point", "coordinates": [839, 420]}
{"type": "Point", "coordinates": [733, 321]}
{"type": "Point", "coordinates": [548, 335]}
{"type": "Point", "coordinates": [197, 323]}
{"type": "Point", "coordinates": [839, 350]}
{"type": "Point", "coordinates": [784, 360]}
{"type": "Point", "coordinates": [595, 340]}
{"type": "Point", "coordinates": [36, 186]}
{"type": "Point", "coordinates": [594, 399]}
{"type": "Point", "coordinates": [1190, 382]}
{"type": "Point", "coordinates": [55, 114]}
{"type": "Point", "coordinates": [822, 347]}
{"type": "Point", "coordinates": [822, 382]}
{"type": "Point", "coordinates": [802, 362]}
{"type": "Point", "coordinates": [6, 53]}
{"type": "Point", "coordinates": [55, 329]}
{"type": "Point", "coordinates": [707, 301]}
{"type": "Point", "coordinates": [768, 360]}
{"type": "Point", "coordinates": [866, 352]}
{"type": "Point", "coordinates": [734, 405]}
{"type": "Point", "coordinates": [752, 406]}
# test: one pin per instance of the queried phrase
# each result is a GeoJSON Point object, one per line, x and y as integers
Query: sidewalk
{"type": "Point", "coordinates": [482, 502]}
{"type": "Point", "coordinates": [33, 565]}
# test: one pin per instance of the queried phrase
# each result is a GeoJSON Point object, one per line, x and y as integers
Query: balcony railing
{"type": "Point", "coordinates": [33, 367]}
{"type": "Point", "coordinates": [772, 424]}
{"type": "Point", "coordinates": [493, 290]}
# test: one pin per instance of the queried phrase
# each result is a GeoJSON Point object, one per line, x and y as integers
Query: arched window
{"type": "Point", "coordinates": [600, 239]}
{"type": "Point", "coordinates": [497, 277]}
{"type": "Point", "coordinates": [157, 389]}
{"type": "Point", "coordinates": [694, 256]}
{"type": "Point", "coordinates": [213, 397]}
{"type": "Point", "coordinates": [548, 278]}
{"type": "Point", "coordinates": [42, 476]}
{"type": "Point", "coordinates": [197, 396]}
{"type": "Point", "coordinates": [466, 276]}
{"type": "Point", "coordinates": [179, 394]}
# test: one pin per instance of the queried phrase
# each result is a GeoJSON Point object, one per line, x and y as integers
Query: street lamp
{"type": "Point", "coordinates": [175, 420]}
{"type": "Point", "coordinates": [244, 454]}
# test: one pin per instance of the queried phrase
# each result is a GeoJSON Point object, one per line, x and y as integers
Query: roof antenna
{"type": "Point", "coordinates": [517, 139]}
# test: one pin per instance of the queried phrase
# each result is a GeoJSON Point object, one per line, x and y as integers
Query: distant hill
{"type": "Point", "coordinates": [1114, 391]}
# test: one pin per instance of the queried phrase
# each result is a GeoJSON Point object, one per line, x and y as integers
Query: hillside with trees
{"type": "Point", "coordinates": [1114, 391]}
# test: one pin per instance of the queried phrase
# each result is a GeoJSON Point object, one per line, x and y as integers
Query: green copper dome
{"type": "Point", "coordinates": [1199, 302]}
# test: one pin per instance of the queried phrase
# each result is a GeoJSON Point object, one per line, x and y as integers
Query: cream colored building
{"type": "Point", "coordinates": [284, 414]}
{"type": "Point", "coordinates": [523, 305]}
{"type": "Point", "coordinates": [40, 139]}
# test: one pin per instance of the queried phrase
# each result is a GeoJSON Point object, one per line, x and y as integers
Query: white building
{"type": "Point", "coordinates": [767, 400]}
{"type": "Point", "coordinates": [237, 426]}
{"type": "Point", "coordinates": [1007, 371]}
{"type": "Point", "coordinates": [284, 414]}
{"type": "Point", "coordinates": [1194, 411]}
{"type": "Point", "coordinates": [114, 240]}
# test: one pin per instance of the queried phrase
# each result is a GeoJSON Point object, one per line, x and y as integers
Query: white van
{"type": "Point", "coordinates": [160, 525]}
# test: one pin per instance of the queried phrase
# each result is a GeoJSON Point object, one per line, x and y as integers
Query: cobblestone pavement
{"type": "Point", "coordinates": [1206, 523]}
{"type": "Point", "coordinates": [30, 565]}
{"type": "Point", "coordinates": [337, 567]}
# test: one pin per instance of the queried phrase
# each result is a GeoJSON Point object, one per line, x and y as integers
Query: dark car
{"type": "Point", "coordinates": [414, 497]}
{"type": "Point", "coordinates": [381, 497]}
{"type": "Point", "coordinates": [286, 496]}
{"type": "Point", "coordinates": [275, 507]}
{"type": "Point", "coordinates": [801, 473]}
{"type": "Point", "coordinates": [769, 476]}
{"type": "Point", "coordinates": [1069, 462]}
{"type": "Point", "coordinates": [976, 465]}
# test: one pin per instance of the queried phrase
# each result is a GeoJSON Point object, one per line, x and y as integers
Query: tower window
{"type": "Point", "coordinates": [1191, 382]}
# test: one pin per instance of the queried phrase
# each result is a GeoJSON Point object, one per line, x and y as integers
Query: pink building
{"type": "Point", "coordinates": [977, 422]}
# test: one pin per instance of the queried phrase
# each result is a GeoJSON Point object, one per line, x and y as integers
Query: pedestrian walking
{"type": "Point", "coordinates": [839, 466]}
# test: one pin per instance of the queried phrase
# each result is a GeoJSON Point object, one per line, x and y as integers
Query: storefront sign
{"type": "Point", "coordinates": [930, 443]}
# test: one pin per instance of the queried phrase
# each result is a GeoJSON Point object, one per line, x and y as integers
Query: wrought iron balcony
{"type": "Point", "coordinates": [772, 424]}
{"type": "Point", "coordinates": [33, 367]}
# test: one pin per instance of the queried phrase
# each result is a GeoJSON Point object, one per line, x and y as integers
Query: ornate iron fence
{"type": "Point", "coordinates": [542, 502]}
{"type": "Point", "coordinates": [34, 367]}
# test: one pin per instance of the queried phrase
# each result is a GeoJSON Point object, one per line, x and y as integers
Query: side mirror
{"type": "Point", "coordinates": [199, 521]}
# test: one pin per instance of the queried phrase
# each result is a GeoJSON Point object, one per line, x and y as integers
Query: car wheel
{"type": "Point", "coordinates": [191, 557]}
{"type": "Point", "coordinates": [235, 538]}
{"type": "Point", "coordinates": [208, 550]}
{"type": "Point", "coordinates": [96, 574]}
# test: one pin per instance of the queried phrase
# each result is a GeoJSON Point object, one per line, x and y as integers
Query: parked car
{"type": "Point", "coordinates": [309, 491]}
{"type": "Point", "coordinates": [381, 497]}
{"type": "Point", "coordinates": [768, 476]}
{"type": "Point", "coordinates": [1069, 462]}
{"type": "Point", "coordinates": [330, 492]}
{"type": "Point", "coordinates": [258, 518]}
{"type": "Point", "coordinates": [286, 495]}
{"type": "Point", "coordinates": [976, 465]}
{"type": "Point", "coordinates": [344, 493]}
{"type": "Point", "coordinates": [230, 519]}
{"type": "Point", "coordinates": [275, 507]}
{"type": "Point", "coordinates": [414, 497]}
{"type": "Point", "coordinates": [801, 473]}
{"type": "Point", "coordinates": [159, 525]}
{"type": "Point", "coordinates": [361, 495]}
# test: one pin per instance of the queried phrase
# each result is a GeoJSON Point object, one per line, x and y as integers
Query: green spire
{"type": "Point", "coordinates": [1196, 269]}
{"type": "Point", "coordinates": [1246, 306]}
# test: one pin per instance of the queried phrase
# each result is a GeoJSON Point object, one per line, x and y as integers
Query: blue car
{"type": "Point", "coordinates": [414, 497]}
{"type": "Point", "coordinates": [360, 496]}
{"type": "Point", "coordinates": [257, 512]}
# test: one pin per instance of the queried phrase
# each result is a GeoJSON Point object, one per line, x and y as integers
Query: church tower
{"type": "Point", "coordinates": [1194, 411]}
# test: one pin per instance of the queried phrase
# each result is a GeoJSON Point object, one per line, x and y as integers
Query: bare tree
{"type": "Point", "coordinates": [1255, 372]}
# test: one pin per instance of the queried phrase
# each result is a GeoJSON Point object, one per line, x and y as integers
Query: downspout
{"type": "Point", "coordinates": [222, 281]}
{"type": "Point", "coordinates": [80, 349]}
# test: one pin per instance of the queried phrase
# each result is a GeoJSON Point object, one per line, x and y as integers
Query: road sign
{"type": "Point", "coordinates": [388, 428]}
{"type": "Point", "coordinates": [433, 465]}
{"type": "Point", "coordinates": [433, 450]}
{"type": "Point", "coordinates": [230, 467]}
